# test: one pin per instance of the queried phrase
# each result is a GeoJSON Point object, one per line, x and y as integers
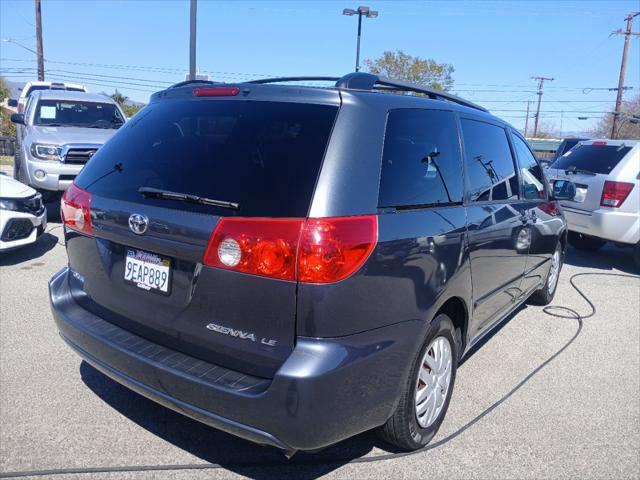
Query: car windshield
{"type": "Point", "coordinates": [69, 113]}
{"type": "Point", "coordinates": [592, 158]}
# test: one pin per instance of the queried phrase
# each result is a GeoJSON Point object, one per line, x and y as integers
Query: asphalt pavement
{"type": "Point", "coordinates": [542, 398]}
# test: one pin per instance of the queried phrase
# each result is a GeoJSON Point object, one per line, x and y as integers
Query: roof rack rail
{"type": "Point", "coordinates": [189, 82]}
{"type": "Point", "coordinates": [372, 82]}
{"type": "Point", "coordinates": [294, 79]}
{"type": "Point", "coordinates": [368, 81]}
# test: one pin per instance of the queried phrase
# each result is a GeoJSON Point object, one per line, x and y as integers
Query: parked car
{"type": "Point", "coordinates": [606, 207]}
{"type": "Point", "coordinates": [23, 217]}
{"type": "Point", "coordinates": [31, 87]}
{"type": "Point", "coordinates": [298, 265]}
{"type": "Point", "coordinates": [566, 145]}
{"type": "Point", "coordinates": [62, 130]}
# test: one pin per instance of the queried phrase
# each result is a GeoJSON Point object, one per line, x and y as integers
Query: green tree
{"type": "Point", "coordinates": [627, 129]}
{"type": "Point", "coordinates": [131, 110]}
{"type": "Point", "coordinates": [4, 89]}
{"type": "Point", "coordinates": [402, 66]}
{"type": "Point", "coordinates": [119, 98]}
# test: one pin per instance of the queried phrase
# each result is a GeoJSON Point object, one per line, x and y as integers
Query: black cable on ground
{"type": "Point", "coordinates": [555, 311]}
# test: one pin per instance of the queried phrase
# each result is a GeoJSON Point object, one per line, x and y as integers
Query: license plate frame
{"type": "Point", "coordinates": [142, 259]}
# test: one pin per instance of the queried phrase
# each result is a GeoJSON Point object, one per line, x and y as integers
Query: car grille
{"type": "Point", "coordinates": [31, 204]}
{"type": "Point", "coordinates": [79, 155]}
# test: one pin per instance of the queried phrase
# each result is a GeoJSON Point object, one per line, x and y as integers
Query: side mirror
{"type": "Point", "coordinates": [13, 102]}
{"type": "Point", "coordinates": [564, 190]}
{"type": "Point", "coordinates": [17, 118]}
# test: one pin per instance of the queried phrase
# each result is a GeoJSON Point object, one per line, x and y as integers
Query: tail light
{"type": "Point", "coordinates": [314, 250]}
{"type": "Point", "coordinates": [331, 249]}
{"type": "Point", "coordinates": [550, 208]}
{"type": "Point", "coordinates": [75, 209]}
{"type": "Point", "coordinates": [615, 193]}
{"type": "Point", "coordinates": [259, 246]}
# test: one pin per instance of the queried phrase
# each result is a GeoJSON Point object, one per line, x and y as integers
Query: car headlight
{"type": "Point", "coordinates": [46, 152]}
{"type": "Point", "coordinates": [8, 204]}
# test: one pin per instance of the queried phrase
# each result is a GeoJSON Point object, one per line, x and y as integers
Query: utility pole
{"type": "Point", "coordinates": [526, 120]}
{"type": "Point", "coordinates": [541, 81]}
{"type": "Point", "coordinates": [192, 41]}
{"type": "Point", "coordinates": [623, 70]}
{"type": "Point", "coordinates": [39, 41]}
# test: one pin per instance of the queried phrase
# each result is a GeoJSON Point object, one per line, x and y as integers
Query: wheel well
{"type": "Point", "coordinates": [456, 310]}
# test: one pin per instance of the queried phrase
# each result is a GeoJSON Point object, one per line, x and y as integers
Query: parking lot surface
{"type": "Point", "coordinates": [541, 399]}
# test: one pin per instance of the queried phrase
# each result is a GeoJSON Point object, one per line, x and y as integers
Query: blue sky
{"type": "Point", "coordinates": [495, 46]}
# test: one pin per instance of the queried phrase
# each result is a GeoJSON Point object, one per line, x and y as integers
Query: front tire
{"type": "Point", "coordinates": [427, 392]}
{"type": "Point", "coordinates": [585, 242]}
{"type": "Point", "coordinates": [544, 295]}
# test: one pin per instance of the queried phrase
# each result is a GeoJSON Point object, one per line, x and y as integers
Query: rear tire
{"type": "Point", "coordinates": [636, 255]}
{"type": "Point", "coordinates": [585, 242]}
{"type": "Point", "coordinates": [544, 295]}
{"type": "Point", "coordinates": [404, 429]}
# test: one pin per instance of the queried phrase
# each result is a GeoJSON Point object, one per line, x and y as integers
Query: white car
{"type": "Point", "coordinates": [23, 217]}
{"type": "Point", "coordinates": [606, 205]}
{"type": "Point", "coordinates": [31, 87]}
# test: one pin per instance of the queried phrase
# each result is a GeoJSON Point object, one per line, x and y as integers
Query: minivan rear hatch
{"type": "Point", "coordinates": [157, 191]}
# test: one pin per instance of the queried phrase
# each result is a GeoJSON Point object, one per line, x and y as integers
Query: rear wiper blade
{"type": "Point", "coordinates": [185, 197]}
{"type": "Point", "coordinates": [574, 169]}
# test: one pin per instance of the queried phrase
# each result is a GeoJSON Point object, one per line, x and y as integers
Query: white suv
{"type": "Point", "coordinates": [606, 206]}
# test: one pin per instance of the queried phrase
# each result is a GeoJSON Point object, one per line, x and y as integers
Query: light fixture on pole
{"type": "Point", "coordinates": [361, 11]}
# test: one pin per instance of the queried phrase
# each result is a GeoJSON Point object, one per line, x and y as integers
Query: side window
{"type": "Point", "coordinates": [490, 167]}
{"type": "Point", "coordinates": [530, 171]}
{"type": "Point", "coordinates": [421, 160]}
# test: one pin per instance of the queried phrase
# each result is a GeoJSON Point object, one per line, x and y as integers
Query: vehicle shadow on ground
{"type": "Point", "coordinates": [29, 252]}
{"type": "Point", "coordinates": [217, 447]}
{"type": "Point", "coordinates": [233, 453]}
{"type": "Point", "coordinates": [608, 257]}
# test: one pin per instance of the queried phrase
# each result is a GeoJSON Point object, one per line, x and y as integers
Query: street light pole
{"type": "Point", "coordinates": [358, 44]}
{"type": "Point", "coordinates": [192, 40]}
{"type": "Point", "coordinates": [361, 11]}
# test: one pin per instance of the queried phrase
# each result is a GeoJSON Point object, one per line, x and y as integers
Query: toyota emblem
{"type": "Point", "coordinates": [138, 223]}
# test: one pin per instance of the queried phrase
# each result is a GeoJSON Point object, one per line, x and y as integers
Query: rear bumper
{"type": "Point", "coordinates": [327, 389]}
{"type": "Point", "coordinates": [608, 224]}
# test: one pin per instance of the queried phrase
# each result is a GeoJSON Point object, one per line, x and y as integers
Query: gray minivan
{"type": "Point", "coordinates": [296, 265]}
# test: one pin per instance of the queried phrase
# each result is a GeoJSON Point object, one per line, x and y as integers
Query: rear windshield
{"type": "Point", "coordinates": [265, 156]}
{"type": "Point", "coordinates": [592, 158]}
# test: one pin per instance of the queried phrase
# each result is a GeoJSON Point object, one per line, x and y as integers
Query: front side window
{"type": "Point", "coordinates": [530, 171]}
{"type": "Point", "coordinates": [63, 113]}
{"type": "Point", "coordinates": [421, 159]}
{"type": "Point", "coordinates": [490, 170]}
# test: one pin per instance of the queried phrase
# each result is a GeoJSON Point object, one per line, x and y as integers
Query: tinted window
{"type": "Point", "coordinates": [488, 160]}
{"type": "Point", "coordinates": [592, 158]}
{"type": "Point", "coordinates": [421, 160]}
{"type": "Point", "coordinates": [530, 171]}
{"type": "Point", "coordinates": [263, 155]}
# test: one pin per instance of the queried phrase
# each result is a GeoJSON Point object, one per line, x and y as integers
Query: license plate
{"type": "Point", "coordinates": [147, 271]}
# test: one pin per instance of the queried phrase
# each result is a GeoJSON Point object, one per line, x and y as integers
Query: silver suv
{"type": "Point", "coordinates": [58, 133]}
{"type": "Point", "coordinates": [606, 206]}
